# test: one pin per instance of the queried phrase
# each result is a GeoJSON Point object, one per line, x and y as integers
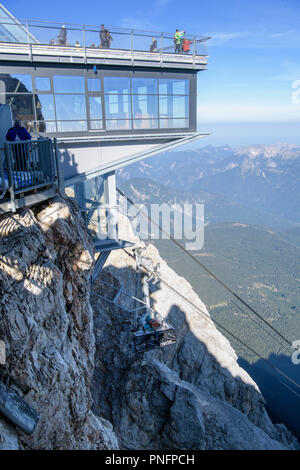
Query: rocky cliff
{"type": "Point", "coordinates": [47, 325]}
{"type": "Point", "coordinates": [70, 357]}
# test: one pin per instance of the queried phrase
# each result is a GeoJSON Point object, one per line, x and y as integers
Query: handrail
{"type": "Point", "coordinates": [132, 39]}
{"type": "Point", "coordinates": [85, 26]}
{"type": "Point", "coordinates": [29, 165]}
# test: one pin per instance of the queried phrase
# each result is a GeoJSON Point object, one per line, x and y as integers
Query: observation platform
{"type": "Point", "coordinates": [42, 41]}
{"type": "Point", "coordinates": [95, 56]}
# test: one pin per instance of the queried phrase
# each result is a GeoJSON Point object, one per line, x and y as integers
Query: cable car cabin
{"type": "Point", "coordinates": [153, 334]}
{"type": "Point", "coordinates": [150, 330]}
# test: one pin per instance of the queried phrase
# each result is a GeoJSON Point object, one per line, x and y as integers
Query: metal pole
{"type": "Point", "coordinates": [60, 179]}
{"type": "Point", "coordinates": [10, 178]}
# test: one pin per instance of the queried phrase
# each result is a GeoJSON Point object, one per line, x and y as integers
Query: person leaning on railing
{"type": "Point", "coordinates": [20, 152]}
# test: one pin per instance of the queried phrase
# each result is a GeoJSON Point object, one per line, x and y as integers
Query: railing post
{"type": "Point", "coordinates": [84, 44]}
{"type": "Point", "coordinates": [2, 174]}
{"type": "Point", "coordinates": [11, 182]}
{"type": "Point", "coordinates": [60, 180]}
{"type": "Point", "coordinates": [28, 41]}
{"type": "Point", "coordinates": [131, 46]}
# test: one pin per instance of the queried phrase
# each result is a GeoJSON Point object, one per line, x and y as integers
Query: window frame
{"type": "Point", "coordinates": [128, 72]}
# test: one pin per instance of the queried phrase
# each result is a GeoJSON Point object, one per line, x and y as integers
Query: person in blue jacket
{"type": "Point", "coordinates": [19, 133]}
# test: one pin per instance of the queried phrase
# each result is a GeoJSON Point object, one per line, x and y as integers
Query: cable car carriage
{"type": "Point", "coordinates": [149, 329]}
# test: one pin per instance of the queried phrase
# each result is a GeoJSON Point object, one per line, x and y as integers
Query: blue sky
{"type": "Point", "coordinates": [245, 96]}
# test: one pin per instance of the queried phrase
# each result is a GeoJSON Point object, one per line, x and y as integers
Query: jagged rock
{"type": "Point", "coordinates": [190, 396]}
{"type": "Point", "coordinates": [46, 259]}
{"type": "Point", "coordinates": [8, 436]}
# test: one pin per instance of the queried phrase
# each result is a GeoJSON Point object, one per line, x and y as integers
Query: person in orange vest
{"type": "Point", "coordinates": [186, 45]}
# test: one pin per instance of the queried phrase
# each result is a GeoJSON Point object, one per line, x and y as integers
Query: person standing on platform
{"type": "Point", "coordinates": [20, 152]}
{"type": "Point", "coordinates": [177, 41]}
{"type": "Point", "coordinates": [62, 37]}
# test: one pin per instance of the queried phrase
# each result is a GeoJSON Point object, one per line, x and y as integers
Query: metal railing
{"type": "Point", "coordinates": [28, 166]}
{"type": "Point", "coordinates": [87, 37]}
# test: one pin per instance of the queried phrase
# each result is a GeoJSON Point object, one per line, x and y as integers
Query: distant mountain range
{"type": "Point", "coordinates": [263, 179]}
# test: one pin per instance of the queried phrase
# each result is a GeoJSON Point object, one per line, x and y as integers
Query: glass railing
{"type": "Point", "coordinates": [88, 37]}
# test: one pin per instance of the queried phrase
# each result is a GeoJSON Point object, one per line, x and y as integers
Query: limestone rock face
{"type": "Point", "coordinates": [46, 323]}
{"type": "Point", "coordinates": [192, 395]}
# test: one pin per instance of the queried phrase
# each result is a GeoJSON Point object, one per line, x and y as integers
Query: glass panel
{"type": "Point", "coordinates": [173, 123]}
{"type": "Point", "coordinates": [70, 107]}
{"type": "Point", "coordinates": [173, 87]}
{"type": "Point", "coordinates": [68, 84]}
{"type": "Point", "coordinates": [145, 106]}
{"type": "Point", "coordinates": [94, 84]}
{"type": "Point", "coordinates": [144, 86]}
{"type": "Point", "coordinates": [145, 123]}
{"type": "Point", "coordinates": [71, 126]}
{"type": "Point", "coordinates": [44, 126]}
{"type": "Point", "coordinates": [15, 83]}
{"type": "Point", "coordinates": [163, 106]}
{"type": "Point", "coordinates": [23, 80]}
{"type": "Point", "coordinates": [95, 103]}
{"type": "Point", "coordinates": [174, 106]}
{"type": "Point", "coordinates": [21, 106]}
{"type": "Point", "coordinates": [44, 105]}
{"type": "Point", "coordinates": [96, 125]}
{"type": "Point", "coordinates": [116, 125]}
{"type": "Point", "coordinates": [117, 106]}
{"type": "Point", "coordinates": [42, 84]}
{"type": "Point", "coordinates": [180, 106]}
{"type": "Point", "coordinates": [117, 85]}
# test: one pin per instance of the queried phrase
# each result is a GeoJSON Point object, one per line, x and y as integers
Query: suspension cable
{"type": "Point", "coordinates": [219, 281]}
{"type": "Point", "coordinates": [207, 317]}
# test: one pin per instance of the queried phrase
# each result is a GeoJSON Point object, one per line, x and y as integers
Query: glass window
{"type": "Point", "coordinates": [173, 87]}
{"type": "Point", "coordinates": [112, 125]}
{"type": "Point", "coordinates": [94, 125]}
{"type": "Point", "coordinates": [70, 107]}
{"type": "Point", "coordinates": [117, 85]}
{"type": "Point", "coordinates": [144, 86]}
{"type": "Point", "coordinates": [145, 123]}
{"type": "Point", "coordinates": [23, 81]}
{"type": "Point", "coordinates": [145, 106]}
{"type": "Point", "coordinates": [42, 84]}
{"type": "Point", "coordinates": [117, 106]}
{"type": "Point", "coordinates": [180, 106]}
{"type": "Point", "coordinates": [94, 84]}
{"type": "Point", "coordinates": [21, 106]}
{"type": "Point", "coordinates": [174, 106]}
{"type": "Point", "coordinates": [71, 126]}
{"type": "Point", "coordinates": [44, 105]}
{"type": "Point", "coordinates": [44, 126]}
{"type": "Point", "coordinates": [95, 103]}
{"type": "Point", "coordinates": [68, 84]}
{"type": "Point", "coordinates": [173, 123]}
{"type": "Point", "coordinates": [15, 83]}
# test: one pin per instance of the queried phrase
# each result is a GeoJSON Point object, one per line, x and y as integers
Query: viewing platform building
{"type": "Point", "coordinates": [107, 104]}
